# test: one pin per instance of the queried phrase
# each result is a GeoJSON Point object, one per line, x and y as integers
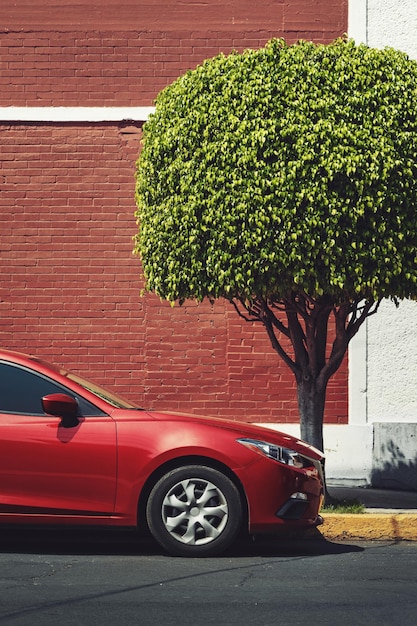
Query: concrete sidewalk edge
{"type": "Point", "coordinates": [367, 526]}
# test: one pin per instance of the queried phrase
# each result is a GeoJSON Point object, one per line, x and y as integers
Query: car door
{"type": "Point", "coordinates": [46, 468]}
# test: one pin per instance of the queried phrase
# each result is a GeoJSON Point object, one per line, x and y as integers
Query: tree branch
{"type": "Point", "coordinates": [360, 310]}
{"type": "Point", "coordinates": [259, 311]}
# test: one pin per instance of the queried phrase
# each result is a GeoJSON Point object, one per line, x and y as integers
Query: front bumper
{"type": "Point", "coordinates": [282, 496]}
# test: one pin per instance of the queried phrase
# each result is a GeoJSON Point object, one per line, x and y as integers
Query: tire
{"type": "Point", "coordinates": [194, 511]}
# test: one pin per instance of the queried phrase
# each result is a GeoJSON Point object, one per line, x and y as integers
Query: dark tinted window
{"type": "Point", "coordinates": [21, 391]}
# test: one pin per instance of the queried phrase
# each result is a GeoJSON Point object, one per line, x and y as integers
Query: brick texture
{"type": "Point", "coordinates": [124, 53]}
{"type": "Point", "coordinates": [70, 288]}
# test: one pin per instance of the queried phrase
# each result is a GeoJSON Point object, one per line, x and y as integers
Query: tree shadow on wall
{"type": "Point", "coordinates": [393, 470]}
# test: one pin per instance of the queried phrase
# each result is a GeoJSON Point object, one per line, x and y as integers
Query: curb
{"type": "Point", "coordinates": [368, 526]}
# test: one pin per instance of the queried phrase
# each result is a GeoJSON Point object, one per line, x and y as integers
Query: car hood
{"type": "Point", "coordinates": [244, 429]}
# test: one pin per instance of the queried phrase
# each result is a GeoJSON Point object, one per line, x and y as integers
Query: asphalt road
{"type": "Point", "coordinates": [77, 578]}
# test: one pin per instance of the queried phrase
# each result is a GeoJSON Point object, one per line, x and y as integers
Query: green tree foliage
{"type": "Point", "coordinates": [285, 180]}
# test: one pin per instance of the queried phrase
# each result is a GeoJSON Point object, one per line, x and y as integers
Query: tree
{"type": "Point", "coordinates": [285, 180]}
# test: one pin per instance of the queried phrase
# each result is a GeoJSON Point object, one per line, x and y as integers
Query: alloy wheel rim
{"type": "Point", "coordinates": [195, 511]}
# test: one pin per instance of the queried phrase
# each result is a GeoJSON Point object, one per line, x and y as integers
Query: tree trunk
{"type": "Point", "coordinates": [311, 396]}
{"type": "Point", "coordinates": [311, 400]}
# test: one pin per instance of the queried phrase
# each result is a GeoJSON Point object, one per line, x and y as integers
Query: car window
{"type": "Point", "coordinates": [104, 394]}
{"type": "Point", "coordinates": [22, 390]}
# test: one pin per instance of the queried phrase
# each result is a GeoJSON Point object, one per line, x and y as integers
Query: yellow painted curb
{"type": "Point", "coordinates": [400, 526]}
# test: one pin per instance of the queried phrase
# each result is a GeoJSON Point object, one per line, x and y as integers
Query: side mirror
{"type": "Point", "coordinates": [63, 406]}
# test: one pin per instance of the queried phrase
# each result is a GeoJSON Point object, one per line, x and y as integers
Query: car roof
{"type": "Point", "coordinates": [25, 359]}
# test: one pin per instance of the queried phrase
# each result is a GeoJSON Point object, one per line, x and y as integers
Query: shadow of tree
{"type": "Point", "coordinates": [392, 468]}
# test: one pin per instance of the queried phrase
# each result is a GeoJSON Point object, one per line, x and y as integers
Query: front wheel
{"type": "Point", "coordinates": [194, 511]}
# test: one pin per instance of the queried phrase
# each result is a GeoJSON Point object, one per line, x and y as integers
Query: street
{"type": "Point", "coordinates": [71, 577]}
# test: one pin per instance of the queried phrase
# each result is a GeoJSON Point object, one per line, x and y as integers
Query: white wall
{"type": "Point", "coordinates": [378, 445]}
{"type": "Point", "coordinates": [392, 363]}
{"type": "Point", "coordinates": [381, 23]}
{"type": "Point", "coordinates": [383, 357]}
{"type": "Point", "coordinates": [385, 389]}
{"type": "Point", "coordinates": [393, 23]}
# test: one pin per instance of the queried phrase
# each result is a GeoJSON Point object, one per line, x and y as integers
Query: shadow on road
{"type": "Point", "coordinates": [312, 545]}
{"type": "Point", "coordinates": [29, 540]}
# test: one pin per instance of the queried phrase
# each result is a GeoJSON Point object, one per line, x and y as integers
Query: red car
{"type": "Point", "coordinates": [73, 453]}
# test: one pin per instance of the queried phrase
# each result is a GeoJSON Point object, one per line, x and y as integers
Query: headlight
{"type": "Point", "coordinates": [277, 453]}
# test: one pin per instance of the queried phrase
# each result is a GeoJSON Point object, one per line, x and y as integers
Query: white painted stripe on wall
{"type": "Point", "coordinates": [358, 348]}
{"type": "Point", "coordinates": [358, 21]}
{"type": "Point", "coordinates": [358, 377]}
{"type": "Point", "coordinates": [75, 114]}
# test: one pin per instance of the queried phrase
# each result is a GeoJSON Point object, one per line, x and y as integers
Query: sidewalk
{"type": "Point", "coordinates": [389, 515]}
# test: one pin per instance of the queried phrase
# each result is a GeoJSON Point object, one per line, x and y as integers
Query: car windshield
{"type": "Point", "coordinates": [98, 391]}
{"type": "Point", "coordinates": [113, 399]}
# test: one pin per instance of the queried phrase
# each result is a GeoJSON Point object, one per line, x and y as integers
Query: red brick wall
{"type": "Point", "coordinates": [300, 18]}
{"type": "Point", "coordinates": [124, 53]}
{"type": "Point", "coordinates": [70, 288]}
